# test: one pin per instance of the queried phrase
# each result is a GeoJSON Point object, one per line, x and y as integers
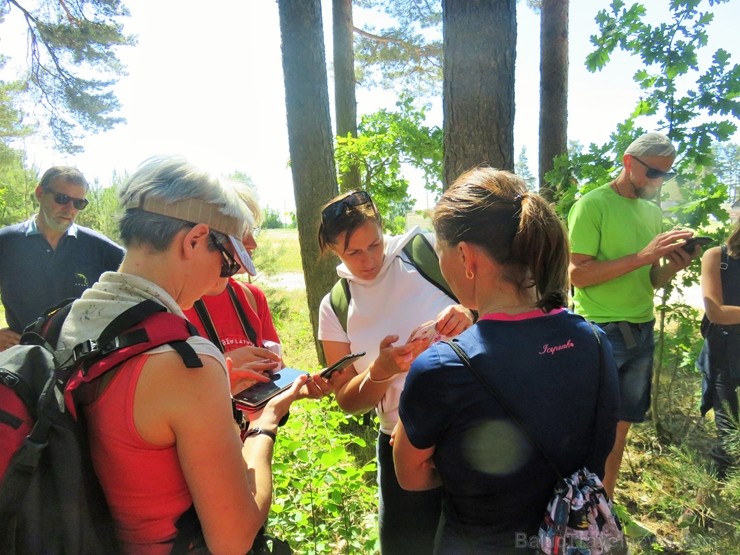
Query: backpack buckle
{"type": "Point", "coordinates": [84, 349]}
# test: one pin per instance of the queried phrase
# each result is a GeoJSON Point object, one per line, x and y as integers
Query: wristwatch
{"type": "Point", "coordinates": [260, 431]}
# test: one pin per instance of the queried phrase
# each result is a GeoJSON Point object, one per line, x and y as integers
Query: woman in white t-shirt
{"type": "Point", "coordinates": [388, 299]}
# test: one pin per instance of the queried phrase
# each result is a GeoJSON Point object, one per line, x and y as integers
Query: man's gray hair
{"type": "Point", "coordinates": [62, 173]}
{"type": "Point", "coordinates": [167, 194]}
{"type": "Point", "coordinates": [652, 144]}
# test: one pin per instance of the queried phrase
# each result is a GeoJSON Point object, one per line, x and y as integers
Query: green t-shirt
{"type": "Point", "coordinates": [607, 226]}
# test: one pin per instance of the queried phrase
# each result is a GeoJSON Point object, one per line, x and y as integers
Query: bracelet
{"type": "Point", "coordinates": [260, 432]}
{"type": "Point", "coordinates": [384, 380]}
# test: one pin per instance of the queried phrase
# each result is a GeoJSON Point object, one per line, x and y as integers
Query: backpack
{"type": "Point", "coordinates": [50, 499]}
{"type": "Point", "coordinates": [421, 255]}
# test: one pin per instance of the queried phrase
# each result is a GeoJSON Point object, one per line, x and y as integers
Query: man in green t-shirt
{"type": "Point", "coordinates": [619, 255]}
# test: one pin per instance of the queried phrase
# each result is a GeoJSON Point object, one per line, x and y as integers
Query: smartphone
{"type": "Point", "coordinates": [341, 364]}
{"type": "Point", "coordinates": [691, 243]}
{"type": "Point", "coordinates": [261, 392]}
{"type": "Point", "coordinates": [427, 330]}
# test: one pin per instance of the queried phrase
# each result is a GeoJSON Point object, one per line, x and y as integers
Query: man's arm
{"type": "Point", "coordinates": [585, 270]}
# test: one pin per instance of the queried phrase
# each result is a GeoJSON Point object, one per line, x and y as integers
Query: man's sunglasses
{"type": "Point", "coordinates": [352, 200]}
{"type": "Point", "coordinates": [652, 173]}
{"type": "Point", "coordinates": [229, 265]}
{"type": "Point", "coordinates": [64, 200]}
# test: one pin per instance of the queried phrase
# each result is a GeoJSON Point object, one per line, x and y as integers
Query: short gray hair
{"type": "Point", "coordinates": [62, 173]}
{"type": "Point", "coordinates": [172, 181]}
{"type": "Point", "coordinates": [652, 144]}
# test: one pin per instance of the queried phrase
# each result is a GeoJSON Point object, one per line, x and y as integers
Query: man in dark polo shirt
{"type": "Point", "coordinates": [49, 258]}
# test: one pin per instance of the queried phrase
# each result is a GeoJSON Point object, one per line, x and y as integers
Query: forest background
{"type": "Point", "coordinates": [680, 78]}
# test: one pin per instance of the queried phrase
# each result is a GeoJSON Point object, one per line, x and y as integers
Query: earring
{"type": "Point", "coordinates": [469, 274]}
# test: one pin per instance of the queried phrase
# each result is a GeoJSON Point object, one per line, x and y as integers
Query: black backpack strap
{"type": "Point", "coordinates": [47, 326]}
{"type": "Point", "coordinates": [205, 317]}
{"type": "Point", "coordinates": [246, 326]}
{"type": "Point", "coordinates": [189, 533]}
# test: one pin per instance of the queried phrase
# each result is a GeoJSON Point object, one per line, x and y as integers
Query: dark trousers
{"type": "Point", "coordinates": [725, 405]}
{"type": "Point", "coordinates": [408, 520]}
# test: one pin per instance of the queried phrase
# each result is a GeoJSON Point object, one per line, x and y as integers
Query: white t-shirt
{"type": "Point", "coordinates": [394, 303]}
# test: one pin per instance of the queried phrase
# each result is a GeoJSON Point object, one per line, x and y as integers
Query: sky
{"type": "Point", "coordinates": [207, 83]}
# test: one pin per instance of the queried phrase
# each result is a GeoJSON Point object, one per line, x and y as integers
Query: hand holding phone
{"type": "Point", "coordinates": [696, 240]}
{"type": "Point", "coordinates": [257, 395]}
{"type": "Point", "coordinates": [341, 364]}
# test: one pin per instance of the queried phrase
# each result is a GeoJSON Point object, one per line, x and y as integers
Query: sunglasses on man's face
{"type": "Point", "coordinates": [64, 200]}
{"type": "Point", "coordinates": [229, 265]}
{"type": "Point", "coordinates": [352, 200]}
{"type": "Point", "coordinates": [652, 173]}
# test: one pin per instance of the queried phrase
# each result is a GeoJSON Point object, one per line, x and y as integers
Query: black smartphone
{"type": "Point", "coordinates": [696, 240]}
{"type": "Point", "coordinates": [341, 364]}
{"type": "Point", "coordinates": [257, 395]}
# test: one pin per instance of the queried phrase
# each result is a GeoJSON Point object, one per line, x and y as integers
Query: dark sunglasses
{"type": "Point", "coordinates": [229, 265]}
{"type": "Point", "coordinates": [352, 200]}
{"type": "Point", "coordinates": [652, 173]}
{"type": "Point", "coordinates": [78, 203]}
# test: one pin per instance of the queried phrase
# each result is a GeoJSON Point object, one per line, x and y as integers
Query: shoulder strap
{"type": "Point", "coordinates": [205, 318]}
{"type": "Point", "coordinates": [339, 299]}
{"type": "Point", "coordinates": [145, 326]}
{"type": "Point", "coordinates": [425, 260]}
{"type": "Point", "coordinates": [504, 405]}
{"type": "Point", "coordinates": [48, 325]}
{"type": "Point", "coordinates": [723, 265]}
{"type": "Point", "coordinates": [246, 326]}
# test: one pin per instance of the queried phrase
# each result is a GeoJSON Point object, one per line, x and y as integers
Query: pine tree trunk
{"type": "Point", "coordinates": [553, 88]}
{"type": "Point", "coordinates": [345, 103]}
{"type": "Point", "coordinates": [478, 96]}
{"type": "Point", "coordinates": [309, 137]}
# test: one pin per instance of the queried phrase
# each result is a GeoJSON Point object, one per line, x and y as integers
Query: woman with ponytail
{"type": "Point", "coordinates": [504, 252]}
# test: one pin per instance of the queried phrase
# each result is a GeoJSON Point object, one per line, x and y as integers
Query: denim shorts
{"type": "Point", "coordinates": [633, 346]}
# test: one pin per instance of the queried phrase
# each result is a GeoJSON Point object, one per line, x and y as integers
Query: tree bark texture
{"type": "Point", "coordinates": [345, 103]}
{"type": "Point", "coordinates": [478, 92]}
{"type": "Point", "coordinates": [309, 137]}
{"type": "Point", "coordinates": [553, 88]}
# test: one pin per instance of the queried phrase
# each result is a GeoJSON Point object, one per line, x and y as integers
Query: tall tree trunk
{"type": "Point", "coordinates": [309, 137]}
{"type": "Point", "coordinates": [345, 103]}
{"type": "Point", "coordinates": [553, 88]}
{"type": "Point", "coordinates": [478, 96]}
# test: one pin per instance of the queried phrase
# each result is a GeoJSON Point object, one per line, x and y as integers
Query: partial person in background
{"type": "Point", "coordinates": [388, 299]}
{"type": "Point", "coordinates": [619, 256]}
{"type": "Point", "coordinates": [237, 318]}
{"type": "Point", "coordinates": [504, 252]}
{"type": "Point", "coordinates": [49, 258]}
{"type": "Point", "coordinates": [720, 357]}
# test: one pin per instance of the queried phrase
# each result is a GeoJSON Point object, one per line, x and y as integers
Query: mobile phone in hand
{"type": "Point", "coordinates": [341, 364]}
{"type": "Point", "coordinates": [257, 395]}
{"type": "Point", "coordinates": [696, 240]}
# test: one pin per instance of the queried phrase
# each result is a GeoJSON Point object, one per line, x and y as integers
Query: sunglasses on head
{"type": "Point", "coordinates": [352, 200]}
{"type": "Point", "coordinates": [652, 173]}
{"type": "Point", "coordinates": [229, 265]}
{"type": "Point", "coordinates": [78, 203]}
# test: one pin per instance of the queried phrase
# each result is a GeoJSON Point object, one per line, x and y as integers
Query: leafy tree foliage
{"type": "Point", "coordinates": [407, 54]}
{"type": "Point", "coordinates": [387, 145]}
{"type": "Point", "coordinates": [72, 62]}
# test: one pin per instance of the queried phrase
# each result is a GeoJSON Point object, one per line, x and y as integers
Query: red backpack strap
{"type": "Point", "coordinates": [139, 329]}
